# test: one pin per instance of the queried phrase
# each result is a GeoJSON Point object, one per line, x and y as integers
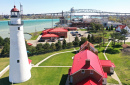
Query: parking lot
{"type": "Point", "coordinates": [69, 38]}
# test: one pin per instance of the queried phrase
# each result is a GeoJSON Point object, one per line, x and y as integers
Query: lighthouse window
{"type": "Point", "coordinates": [18, 28]}
{"type": "Point", "coordinates": [17, 61]}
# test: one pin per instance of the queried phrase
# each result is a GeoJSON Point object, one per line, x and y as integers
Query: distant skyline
{"type": "Point", "coordinates": [52, 6]}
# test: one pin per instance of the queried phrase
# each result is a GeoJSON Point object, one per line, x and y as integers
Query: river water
{"type": "Point", "coordinates": [29, 26]}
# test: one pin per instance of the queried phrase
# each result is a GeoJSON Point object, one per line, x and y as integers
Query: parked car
{"type": "Point", "coordinates": [61, 39]}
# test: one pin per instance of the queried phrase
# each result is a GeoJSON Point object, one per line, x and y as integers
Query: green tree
{"type": "Point", "coordinates": [111, 27]}
{"type": "Point", "coordinates": [46, 47]}
{"type": "Point", "coordinates": [1, 41]}
{"type": "Point", "coordinates": [89, 38]}
{"type": "Point", "coordinates": [76, 41]}
{"type": "Point", "coordinates": [53, 47]}
{"type": "Point", "coordinates": [92, 38]}
{"type": "Point", "coordinates": [5, 51]}
{"type": "Point", "coordinates": [83, 40]}
{"type": "Point", "coordinates": [124, 33]}
{"type": "Point", "coordinates": [69, 45]}
{"type": "Point", "coordinates": [7, 40]}
{"type": "Point", "coordinates": [39, 48]}
{"type": "Point", "coordinates": [64, 44]}
{"type": "Point", "coordinates": [58, 45]}
{"type": "Point", "coordinates": [106, 28]}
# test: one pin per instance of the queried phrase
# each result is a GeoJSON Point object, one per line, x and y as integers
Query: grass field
{"type": "Point", "coordinates": [42, 76]}
{"type": "Point", "coordinates": [35, 35]}
{"type": "Point", "coordinates": [82, 29]}
{"type": "Point", "coordinates": [64, 59]}
{"type": "Point", "coordinates": [122, 63]}
{"type": "Point", "coordinates": [3, 63]}
{"type": "Point", "coordinates": [37, 58]}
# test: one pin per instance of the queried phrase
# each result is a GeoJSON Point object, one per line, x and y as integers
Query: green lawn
{"type": "Point", "coordinates": [64, 59]}
{"type": "Point", "coordinates": [122, 63]}
{"type": "Point", "coordinates": [82, 29]}
{"type": "Point", "coordinates": [37, 58]}
{"type": "Point", "coordinates": [3, 63]}
{"type": "Point", "coordinates": [35, 35]}
{"type": "Point", "coordinates": [42, 76]}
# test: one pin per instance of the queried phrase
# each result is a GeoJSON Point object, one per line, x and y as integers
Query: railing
{"type": "Point", "coordinates": [15, 22]}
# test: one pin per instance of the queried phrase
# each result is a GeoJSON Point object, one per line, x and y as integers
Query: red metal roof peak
{"type": "Point", "coordinates": [14, 9]}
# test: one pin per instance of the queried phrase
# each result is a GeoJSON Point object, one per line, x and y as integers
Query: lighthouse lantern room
{"type": "Point", "coordinates": [19, 66]}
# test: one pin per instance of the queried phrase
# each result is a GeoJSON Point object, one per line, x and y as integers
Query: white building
{"type": "Point", "coordinates": [19, 64]}
{"type": "Point", "coordinates": [120, 27]}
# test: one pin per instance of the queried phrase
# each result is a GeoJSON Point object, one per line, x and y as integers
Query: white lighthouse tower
{"type": "Point", "coordinates": [19, 65]}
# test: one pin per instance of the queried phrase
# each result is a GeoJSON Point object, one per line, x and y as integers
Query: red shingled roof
{"type": "Point", "coordinates": [80, 61]}
{"type": "Point", "coordinates": [58, 30]}
{"type": "Point", "coordinates": [50, 35]}
{"type": "Point", "coordinates": [107, 63]}
{"type": "Point", "coordinates": [89, 81]}
{"type": "Point", "coordinates": [46, 31]}
{"type": "Point", "coordinates": [85, 44]}
{"type": "Point", "coordinates": [121, 26]}
{"type": "Point", "coordinates": [14, 9]}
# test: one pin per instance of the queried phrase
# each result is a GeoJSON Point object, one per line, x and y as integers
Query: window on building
{"type": "Point", "coordinates": [82, 71]}
{"type": "Point", "coordinates": [91, 71]}
{"type": "Point", "coordinates": [18, 28]}
{"type": "Point", "coordinates": [18, 61]}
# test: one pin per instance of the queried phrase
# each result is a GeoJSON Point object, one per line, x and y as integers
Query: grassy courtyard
{"type": "Point", "coordinates": [122, 63]}
{"type": "Point", "coordinates": [3, 63]}
{"type": "Point", "coordinates": [64, 59]}
{"type": "Point", "coordinates": [42, 76]}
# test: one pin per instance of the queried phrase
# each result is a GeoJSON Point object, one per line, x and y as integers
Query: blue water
{"type": "Point", "coordinates": [29, 26]}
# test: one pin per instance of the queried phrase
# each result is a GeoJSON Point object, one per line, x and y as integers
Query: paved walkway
{"type": "Point", "coordinates": [50, 57]}
{"type": "Point", "coordinates": [114, 74]}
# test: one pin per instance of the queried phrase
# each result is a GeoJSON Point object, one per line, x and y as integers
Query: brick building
{"type": "Point", "coordinates": [87, 69]}
{"type": "Point", "coordinates": [61, 32]}
{"type": "Point", "coordinates": [89, 46]}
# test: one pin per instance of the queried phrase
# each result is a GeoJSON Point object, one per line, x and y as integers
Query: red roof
{"type": "Point", "coordinates": [58, 30]}
{"type": "Point", "coordinates": [85, 44]}
{"type": "Point", "coordinates": [50, 35]}
{"type": "Point", "coordinates": [121, 26]}
{"type": "Point", "coordinates": [14, 9]}
{"type": "Point", "coordinates": [29, 44]}
{"type": "Point", "coordinates": [80, 61]}
{"type": "Point", "coordinates": [47, 30]}
{"type": "Point", "coordinates": [89, 81]}
{"type": "Point", "coordinates": [107, 63]}
{"type": "Point", "coordinates": [29, 61]}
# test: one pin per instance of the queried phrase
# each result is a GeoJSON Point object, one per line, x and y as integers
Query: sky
{"type": "Point", "coordinates": [53, 6]}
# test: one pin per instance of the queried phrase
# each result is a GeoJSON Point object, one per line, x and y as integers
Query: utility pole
{"type": "Point", "coordinates": [52, 20]}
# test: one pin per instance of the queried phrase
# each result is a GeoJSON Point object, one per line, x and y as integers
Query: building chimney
{"type": "Point", "coordinates": [87, 63]}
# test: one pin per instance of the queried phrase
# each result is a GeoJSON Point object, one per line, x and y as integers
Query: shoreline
{"type": "Point", "coordinates": [28, 19]}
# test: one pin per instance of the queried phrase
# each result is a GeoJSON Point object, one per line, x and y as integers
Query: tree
{"type": "Point", "coordinates": [1, 41]}
{"type": "Point", "coordinates": [7, 40]}
{"type": "Point", "coordinates": [111, 27]}
{"type": "Point", "coordinates": [124, 33]}
{"type": "Point", "coordinates": [64, 44]}
{"type": "Point", "coordinates": [69, 45]}
{"type": "Point", "coordinates": [83, 40]}
{"type": "Point", "coordinates": [53, 47]}
{"type": "Point", "coordinates": [46, 47]}
{"type": "Point", "coordinates": [58, 45]}
{"type": "Point", "coordinates": [5, 51]}
{"type": "Point", "coordinates": [39, 48]}
{"type": "Point", "coordinates": [89, 37]}
{"type": "Point", "coordinates": [76, 41]}
{"type": "Point", "coordinates": [92, 38]}
{"type": "Point", "coordinates": [106, 28]}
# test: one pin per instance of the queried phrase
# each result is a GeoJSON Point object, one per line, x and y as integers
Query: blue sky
{"type": "Point", "coordinates": [49, 6]}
